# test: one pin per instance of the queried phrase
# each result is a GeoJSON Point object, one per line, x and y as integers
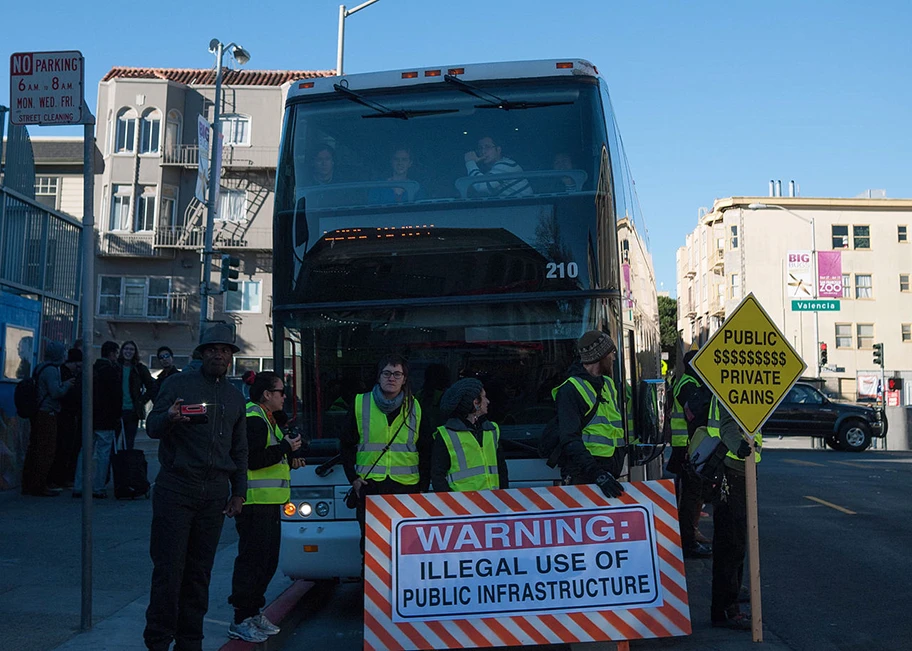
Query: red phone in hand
{"type": "Point", "coordinates": [196, 413]}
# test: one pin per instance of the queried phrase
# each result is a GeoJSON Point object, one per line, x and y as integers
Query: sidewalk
{"type": "Point", "coordinates": [41, 566]}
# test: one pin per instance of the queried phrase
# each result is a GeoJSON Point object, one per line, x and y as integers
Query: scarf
{"type": "Point", "coordinates": [387, 406]}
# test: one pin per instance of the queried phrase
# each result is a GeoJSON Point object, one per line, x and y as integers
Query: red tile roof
{"type": "Point", "coordinates": [192, 77]}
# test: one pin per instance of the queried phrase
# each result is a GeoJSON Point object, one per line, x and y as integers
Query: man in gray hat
{"type": "Point", "coordinates": [200, 421]}
{"type": "Point", "coordinates": [589, 420]}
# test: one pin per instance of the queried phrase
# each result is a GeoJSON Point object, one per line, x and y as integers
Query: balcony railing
{"type": "Point", "coordinates": [690, 273]}
{"type": "Point", "coordinates": [717, 259]}
{"type": "Point", "coordinates": [133, 245]}
{"type": "Point", "coordinates": [227, 235]}
{"type": "Point", "coordinates": [239, 156]}
{"type": "Point", "coordinates": [179, 237]}
{"type": "Point", "coordinates": [171, 308]}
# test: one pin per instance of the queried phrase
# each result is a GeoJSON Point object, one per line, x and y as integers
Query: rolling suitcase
{"type": "Point", "coordinates": [130, 473]}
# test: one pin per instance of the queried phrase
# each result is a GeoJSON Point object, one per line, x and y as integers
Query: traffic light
{"type": "Point", "coordinates": [823, 354]}
{"type": "Point", "coordinates": [230, 273]}
{"type": "Point", "coordinates": [878, 355]}
{"type": "Point", "coordinates": [894, 384]}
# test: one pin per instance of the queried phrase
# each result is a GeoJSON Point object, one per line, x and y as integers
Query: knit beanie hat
{"type": "Point", "coordinates": [593, 346]}
{"type": "Point", "coordinates": [459, 399]}
{"type": "Point", "coordinates": [55, 352]}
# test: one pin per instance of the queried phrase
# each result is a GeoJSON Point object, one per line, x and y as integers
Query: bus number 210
{"type": "Point", "coordinates": [562, 270]}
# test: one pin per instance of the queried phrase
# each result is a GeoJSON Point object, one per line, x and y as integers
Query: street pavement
{"type": "Point", "coordinates": [41, 566]}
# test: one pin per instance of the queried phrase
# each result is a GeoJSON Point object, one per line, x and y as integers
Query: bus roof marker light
{"type": "Point", "coordinates": [306, 84]}
{"type": "Point", "coordinates": [410, 75]}
{"type": "Point", "coordinates": [456, 71]}
{"type": "Point", "coordinates": [431, 73]}
{"type": "Point", "coordinates": [564, 65]}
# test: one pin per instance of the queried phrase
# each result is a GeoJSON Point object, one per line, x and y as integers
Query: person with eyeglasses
{"type": "Point", "coordinates": [166, 361]}
{"type": "Point", "coordinates": [386, 449]}
{"type": "Point", "coordinates": [270, 459]}
{"type": "Point", "coordinates": [487, 161]}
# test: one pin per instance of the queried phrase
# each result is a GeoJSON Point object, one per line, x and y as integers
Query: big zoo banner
{"type": "Point", "coordinates": [523, 566]}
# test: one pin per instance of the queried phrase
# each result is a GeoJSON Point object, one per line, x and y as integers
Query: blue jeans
{"type": "Point", "coordinates": [103, 445]}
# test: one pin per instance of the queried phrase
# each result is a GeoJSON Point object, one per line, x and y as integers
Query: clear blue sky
{"type": "Point", "coordinates": [714, 98]}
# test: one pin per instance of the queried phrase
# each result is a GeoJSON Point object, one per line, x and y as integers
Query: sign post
{"type": "Point", "coordinates": [46, 89]}
{"type": "Point", "coordinates": [749, 366]}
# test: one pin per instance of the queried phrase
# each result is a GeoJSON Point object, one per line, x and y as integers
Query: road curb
{"type": "Point", "coordinates": [275, 612]}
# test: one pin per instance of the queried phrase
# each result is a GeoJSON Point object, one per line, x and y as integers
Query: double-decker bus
{"type": "Point", "coordinates": [466, 217]}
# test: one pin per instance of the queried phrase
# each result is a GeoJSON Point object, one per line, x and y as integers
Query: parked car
{"type": "Point", "coordinates": [805, 411]}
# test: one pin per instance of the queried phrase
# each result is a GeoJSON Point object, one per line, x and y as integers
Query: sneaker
{"type": "Point", "coordinates": [265, 625]}
{"type": "Point", "coordinates": [698, 550]}
{"type": "Point", "coordinates": [736, 622]}
{"type": "Point", "coordinates": [246, 631]}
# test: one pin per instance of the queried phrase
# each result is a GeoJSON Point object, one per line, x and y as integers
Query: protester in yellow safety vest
{"type": "Point", "coordinates": [270, 459]}
{"type": "Point", "coordinates": [466, 455]}
{"type": "Point", "coordinates": [729, 520]}
{"type": "Point", "coordinates": [385, 448]}
{"type": "Point", "coordinates": [589, 421]}
{"type": "Point", "coordinates": [691, 403]}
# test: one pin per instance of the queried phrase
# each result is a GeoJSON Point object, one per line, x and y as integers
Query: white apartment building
{"type": "Point", "coordinates": [736, 249]}
{"type": "Point", "coordinates": [150, 224]}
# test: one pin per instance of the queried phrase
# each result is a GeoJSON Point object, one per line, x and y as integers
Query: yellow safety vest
{"type": "Point", "coordinates": [678, 418]}
{"type": "Point", "coordinates": [272, 484]}
{"type": "Point", "coordinates": [473, 467]}
{"type": "Point", "coordinates": [605, 432]}
{"type": "Point", "coordinates": [400, 462]}
{"type": "Point", "coordinates": [632, 437]}
{"type": "Point", "coordinates": [714, 428]}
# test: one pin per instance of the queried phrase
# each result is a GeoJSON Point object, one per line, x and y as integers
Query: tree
{"type": "Point", "coordinates": [668, 327]}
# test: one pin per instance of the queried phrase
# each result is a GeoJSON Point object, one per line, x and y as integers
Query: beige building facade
{"type": "Point", "coordinates": [741, 246]}
{"type": "Point", "coordinates": [150, 225]}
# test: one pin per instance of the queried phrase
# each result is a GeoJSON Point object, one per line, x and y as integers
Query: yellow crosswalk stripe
{"type": "Point", "coordinates": [800, 462]}
{"type": "Point", "coordinates": [830, 504]}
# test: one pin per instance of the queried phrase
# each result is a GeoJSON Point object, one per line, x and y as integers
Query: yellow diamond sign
{"type": "Point", "coordinates": [749, 365]}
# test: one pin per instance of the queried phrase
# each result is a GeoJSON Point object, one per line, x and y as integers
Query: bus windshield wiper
{"type": "Point", "coordinates": [383, 111]}
{"type": "Point", "coordinates": [493, 101]}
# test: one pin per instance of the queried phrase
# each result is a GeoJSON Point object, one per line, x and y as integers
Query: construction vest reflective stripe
{"type": "Point", "coordinates": [272, 484]}
{"type": "Point", "coordinates": [605, 431]}
{"type": "Point", "coordinates": [678, 418]}
{"type": "Point", "coordinates": [400, 462]}
{"type": "Point", "coordinates": [714, 428]}
{"type": "Point", "coordinates": [473, 467]}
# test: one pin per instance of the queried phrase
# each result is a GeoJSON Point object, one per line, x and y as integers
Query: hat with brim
{"type": "Point", "coordinates": [218, 334]}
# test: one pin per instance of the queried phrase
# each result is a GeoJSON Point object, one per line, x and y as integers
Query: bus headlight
{"type": "Point", "coordinates": [322, 509]}
{"type": "Point", "coordinates": [305, 509]}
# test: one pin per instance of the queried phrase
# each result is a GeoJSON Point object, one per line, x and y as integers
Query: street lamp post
{"type": "Point", "coordinates": [343, 14]}
{"type": "Point", "coordinates": [764, 206]}
{"type": "Point", "coordinates": [242, 56]}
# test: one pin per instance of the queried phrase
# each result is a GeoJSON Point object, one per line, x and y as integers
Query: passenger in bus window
{"type": "Point", "coordinates": [563, 161]}
{"type": "Point", "coordinates": [400, 163]}
{"type": "Point", "coordinates": [323, 166]}
{"type": "Point", "coordinates": [467, 455]}
{"type": "Point", "coordinates": [487, 161]}
{"type": "Point", "coordinates": [386, 449]}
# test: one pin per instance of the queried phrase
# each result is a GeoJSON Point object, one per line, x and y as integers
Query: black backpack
{"type": "Point", "coordinates": [26, 395]}
{"type": "Point", "coordinates": [549, 444]}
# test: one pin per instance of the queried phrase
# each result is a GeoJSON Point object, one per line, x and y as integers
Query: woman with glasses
{"type": "Point", "coordinates": [385, 449]}
{"type": "Point", "coordinates": [138, 389]}
{"type": "Point", "coordinates": [166, 361]}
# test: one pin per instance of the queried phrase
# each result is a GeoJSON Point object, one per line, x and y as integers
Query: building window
{"type": "Point", "coordinates": [861, 237]}
{"type": "Point", "coordinates": [244, 364]}
{"type": "Point", "coordinates": [865, 334]}
{"type": "Point", "coordinates": [134, 296]}
{"type": "Point", "coordinates": [167, 218]}
{"type": "Point", "coordinates": [145, 209]}
{"type": "Point", "coordinates": [120, 207]}
{"type": "Point", "coordinates": [904, 282]}
{"type": "Point", "coordinates": [907, 333]}
{"type": "Point", "coordinates": [236, 129]}
{"type": "Point", "coordinates": [245, 299]}
{"type": "Point", "coordinates": [735, 286]}
{"type": "Point", "coordinates": [733, 237]}
{"type": "Point", "coordinates": [902, 234]}
{"type": "Point", "coordinates": [840, 237]}
{"type": "Point", "coordinates": [47, 191]}
{"type": "Point", "coordinates": [173, 132]}
{"type": "Point", "coordinates": [843, 335]}
{"type": "Point", "coordinates": [846, 286]}
{"type": "Point", "coordinates": [125, 141]}
{"type": "Point", "coordinates": [232, 205]}
{"type": "Point", "coordinates": [863, 286]}
{"type": "Point", "coordinates": [150, 132]}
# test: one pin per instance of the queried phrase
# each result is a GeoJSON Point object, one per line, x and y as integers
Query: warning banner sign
{"type": "Point", "coordinates": [524, 566]}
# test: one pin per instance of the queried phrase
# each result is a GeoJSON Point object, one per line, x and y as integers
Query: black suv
{"type": "Point", "coordinates": [805, 411]}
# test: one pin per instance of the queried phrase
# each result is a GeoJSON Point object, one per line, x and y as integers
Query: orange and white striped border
{"type": "Point", "coordinates": [384, 511]}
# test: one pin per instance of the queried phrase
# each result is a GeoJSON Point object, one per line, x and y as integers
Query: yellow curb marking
{"type": "Point", "coordinates": [799, 462]}
{"type": "Point", "coordinates": [853, 464]}
{"type": "Point", "coordinates": [830, 504]}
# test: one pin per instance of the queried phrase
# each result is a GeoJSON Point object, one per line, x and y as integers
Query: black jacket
{"type": "Point", "coordinates": [142, 388]}
{"type": "Point", "coordinates": [164, 375]}
{"type": "Point", "coordinates": [440, 455]}
{"type": "Point", "coordinates": [199, 460]}
{"type": "Point", "coordinates": [107, 396]}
